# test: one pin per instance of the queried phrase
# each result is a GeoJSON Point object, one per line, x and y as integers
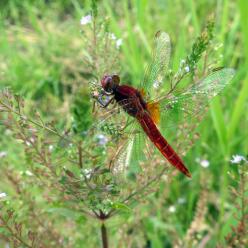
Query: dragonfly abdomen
{"type": "Point", "coordinates": [160, 142]}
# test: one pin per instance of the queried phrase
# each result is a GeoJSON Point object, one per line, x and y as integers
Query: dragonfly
{"type": "Point", "coordinates": [156, 111]}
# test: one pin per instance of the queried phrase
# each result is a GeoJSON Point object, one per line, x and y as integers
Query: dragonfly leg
{"type": "Point", "coordinates": [104, 102]}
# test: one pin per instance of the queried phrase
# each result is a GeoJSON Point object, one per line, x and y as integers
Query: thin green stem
{"type": "Point", "coordinates": [31, 121]}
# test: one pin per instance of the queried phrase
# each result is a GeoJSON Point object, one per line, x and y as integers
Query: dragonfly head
{"type": "Point", "coordinates": [109, 83]}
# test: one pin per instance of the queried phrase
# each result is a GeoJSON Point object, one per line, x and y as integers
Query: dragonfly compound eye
{"type": "Point", "coordinates": [107, 83]}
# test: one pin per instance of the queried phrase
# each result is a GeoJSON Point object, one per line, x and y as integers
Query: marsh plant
{"type": "Point", "coordinates": [70, 183]}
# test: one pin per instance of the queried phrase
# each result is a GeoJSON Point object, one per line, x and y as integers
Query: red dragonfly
{"type": "Point", "coordinates": [168, 107]}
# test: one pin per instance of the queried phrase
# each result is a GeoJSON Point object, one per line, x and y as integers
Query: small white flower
{"type": "Point", "coordinates": [85, 20]}
{"type": "Point", "coordinates": [2, 195]}
{"type": "Point", "coordinates": [204, 163]}
{"type": "Point", "coordinates": [182, 62]}
{"type": "Point", "coordinates": [112, 36]}
{"type": "Point", "coordinates": [102, 140]}
{"type": "Point", "coordinates": [28, 173]}
{"type": "Point", "coordinates": [172, 209]}
{"type": "Point", "coordinates": [28, 143]}
{"type": "Point", "coordinates": [156, 84]}
{"type": "Point", "coordinates": [3, 154]}
{"type": "Point", "coordinates": [236, 159]}
{"type": "Point", "coordinates": [187, 68]}
{"type": "Point", "coordinates": [118, 43]}
{"type": "Point", "coordinates": [87, 173]}
{"type": "Point", "coordinates": [50, 148]}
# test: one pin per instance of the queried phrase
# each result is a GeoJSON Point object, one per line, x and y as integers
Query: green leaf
{"type": "Point", "coordinates": [121, 206]}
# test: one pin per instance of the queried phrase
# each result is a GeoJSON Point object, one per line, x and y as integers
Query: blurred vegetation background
{"type": "Point", "coordinates": [42, 52]}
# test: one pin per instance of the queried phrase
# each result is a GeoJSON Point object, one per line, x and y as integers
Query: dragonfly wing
{"type": "Point", "coordinates": [213, 84]}
{"type": "Point", "coordinates": [155, 72]}
{"type": "Point", "coordinates": [130, 154]}
{"type": "Point", "coordinates": [137, 159]}
{"type": "Point", "coordinates": [180, 115]}
{"type": "Point", "coordinates": [123, 156]}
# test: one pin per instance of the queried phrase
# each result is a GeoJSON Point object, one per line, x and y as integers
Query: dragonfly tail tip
{"type": "Point", "coordinates": [188, 174]}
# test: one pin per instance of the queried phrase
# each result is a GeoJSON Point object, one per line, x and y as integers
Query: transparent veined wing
{"type": "Point", "coordinates": [137, 158]}
{"type": "Point", "coordinates": [180, 115]}
{"type": "Point", "coordinates": [155, 72]}
{"type": "Point", "coordinates": [127, 158]}
{"type": "Point", "coordinates": [137, 166]}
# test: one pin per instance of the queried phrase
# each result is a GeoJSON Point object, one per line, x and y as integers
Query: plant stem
{"type": "Point", "coordinates": [32, 121]}
{"type": "Point", "coordinates": [14, 234]}
{"type": "Point", "coordinates": [104, 236]}
{"type": "Point", "coordinates": [80, 158]}
{"type": "Point", "coordinates": [242, 185]}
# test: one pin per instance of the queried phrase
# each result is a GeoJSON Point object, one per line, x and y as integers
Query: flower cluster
{"type": "Point", "coordinates": [86, 20]}
{"type": "Point", "coordinates": [118, 41]}
{"type": "Point", "coordinates": [237, 159]}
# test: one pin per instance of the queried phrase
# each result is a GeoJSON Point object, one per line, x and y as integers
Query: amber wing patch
{"type": "Point", "coordinates": [153, 109]}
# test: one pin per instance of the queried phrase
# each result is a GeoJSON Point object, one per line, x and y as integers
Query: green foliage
{"type": "Point", "coordinates": [82, 110]}
{"type": "Point", "coordinates": [94, 8]}
{"type": "Point", "coordinates": [52, 190]}
{"type": "Point", "coordinates": [200, 46]}
{"type": "Point", "coordinates": [237, 237]}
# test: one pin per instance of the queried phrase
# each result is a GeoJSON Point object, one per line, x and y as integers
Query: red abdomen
{"type": "Point", "coordinates": [160, 142]}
